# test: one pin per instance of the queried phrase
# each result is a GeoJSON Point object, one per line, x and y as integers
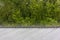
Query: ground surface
{"type": "Point", "coordinates": [29, 33]}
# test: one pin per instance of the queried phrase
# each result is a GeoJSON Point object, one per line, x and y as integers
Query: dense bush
{"type": "Point", "coordinates": [30, 12]}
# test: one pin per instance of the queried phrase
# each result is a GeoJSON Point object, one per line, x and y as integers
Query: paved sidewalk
{"type": "Point", "coordinates": [29, 33]}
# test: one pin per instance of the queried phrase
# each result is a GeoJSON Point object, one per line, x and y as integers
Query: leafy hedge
{"type": "Point", "coordinates": [29, 12]}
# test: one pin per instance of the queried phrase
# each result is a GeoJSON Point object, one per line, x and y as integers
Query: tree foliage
{"type": "Point", "coordinates": [29, 12]}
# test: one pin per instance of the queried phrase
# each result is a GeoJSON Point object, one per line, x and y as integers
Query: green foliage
{"type": "Point", "coordinates": [30, 12]}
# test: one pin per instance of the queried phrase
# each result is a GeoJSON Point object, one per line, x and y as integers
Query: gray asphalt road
{"type": "Point", "coordinates": [29, 33]}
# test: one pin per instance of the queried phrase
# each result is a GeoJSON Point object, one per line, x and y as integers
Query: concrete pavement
{"type": "Point", "coordinates": [29, 33]}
